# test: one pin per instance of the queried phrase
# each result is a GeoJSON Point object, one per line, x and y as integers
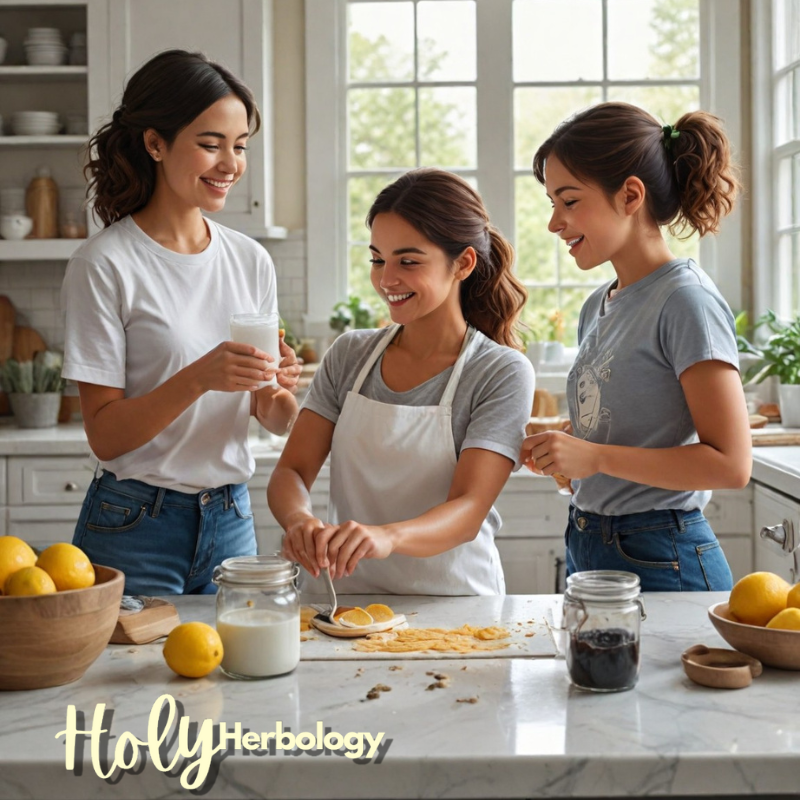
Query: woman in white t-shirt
{"type": "Point", "coordinates": [423, 419]}
{"type": "Point", "coordinates": [166, 398]}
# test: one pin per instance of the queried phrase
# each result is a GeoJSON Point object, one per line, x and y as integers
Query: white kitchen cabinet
{"type": "Point", "coordinates": [772, 508]}
{"type": "Point", "coordinates": [234, 33]}
{"type": "Point", "coordinates": [730, 514]}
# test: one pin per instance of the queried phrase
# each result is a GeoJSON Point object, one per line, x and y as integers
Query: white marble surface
{"type": "Point", "coordinates": [529, 735]}
{"type": "Point", "coordinates": [778, 468]}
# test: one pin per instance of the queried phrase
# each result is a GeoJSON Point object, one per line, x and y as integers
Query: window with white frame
{"type": "Point", "coordinates": [474, 86]}
{"type": "Point", "coordinates": [784, 294]}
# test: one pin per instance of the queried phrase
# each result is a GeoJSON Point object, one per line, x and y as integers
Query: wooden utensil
{"type": "Point", "coordinates": [155, 620]}
{"type": "Point", "coordinates": [720, 668]}
{"type": "Point", "coordinates": [27, 343]}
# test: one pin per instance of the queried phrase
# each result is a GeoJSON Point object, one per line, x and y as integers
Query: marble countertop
{"type": "Point", "coordinates": [527, 735]}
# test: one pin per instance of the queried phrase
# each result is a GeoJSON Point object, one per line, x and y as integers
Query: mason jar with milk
{"type": "Point", "coordinates": [258, 616]}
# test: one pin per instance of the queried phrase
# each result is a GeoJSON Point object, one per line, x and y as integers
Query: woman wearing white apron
{"type": "Point", "coordinates": [423, 420]}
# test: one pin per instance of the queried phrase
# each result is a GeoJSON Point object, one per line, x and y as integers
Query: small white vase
{"type": "Point", "coordinates": [789, 396]}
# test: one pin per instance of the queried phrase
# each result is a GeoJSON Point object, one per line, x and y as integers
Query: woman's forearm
{"type": "Point", "coordinates": [288, 497]}
{"type": "Point", "coordinates": [275, 409]}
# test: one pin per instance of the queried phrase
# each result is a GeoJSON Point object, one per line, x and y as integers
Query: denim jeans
{"type": "Point", "coordinates": [165, 541]}
{"type": "Point", "coordinates": [670, 551]}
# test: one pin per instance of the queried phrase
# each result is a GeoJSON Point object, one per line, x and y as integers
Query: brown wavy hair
{"type": "Point", "coordinates": [446, 210]}
{"type": "Point", "coordinates": [690, 178]}
{"type": "Point", "coordinates": [165, 94]}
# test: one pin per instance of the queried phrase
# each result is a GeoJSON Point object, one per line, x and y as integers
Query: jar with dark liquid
{"type": "Point", "coordinates": [602, 614]}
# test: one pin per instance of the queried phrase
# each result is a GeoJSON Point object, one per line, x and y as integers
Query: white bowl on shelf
{"type": "Point", "coordinates": [15, 226]}
{"type": "Point", "coordinates": [46, 55]}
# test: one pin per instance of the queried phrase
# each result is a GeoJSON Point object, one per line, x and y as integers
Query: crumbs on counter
{"type": "Point", "coordinates": [359, 672]}
{"type": "Point", "coordinates": [471, 700]}
{"type": "Point", "coordinates": [442, 681]}
{"type": "Point", "coordinates": [375, 692]}
{"type": "Point", "coordinates": [395, 668]}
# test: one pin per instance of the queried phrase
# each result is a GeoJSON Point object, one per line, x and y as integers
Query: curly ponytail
{"type": "Point", "coordinates": [448, 211]}
{"type": "Point", "coordinates": [166, 94]}
{"type": "Point", "coordinates": [687, 169]}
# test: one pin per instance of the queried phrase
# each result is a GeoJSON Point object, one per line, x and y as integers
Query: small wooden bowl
{"type": "Point", "coordinates": [52, 639]}
{"type": "Point", "coordinates": [771, 646]}
{"type": "Point", "coordinates": [720, 668]}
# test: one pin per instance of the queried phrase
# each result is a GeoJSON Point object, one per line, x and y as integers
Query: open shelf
{"type": "Point", "coordinates": [38, 249]}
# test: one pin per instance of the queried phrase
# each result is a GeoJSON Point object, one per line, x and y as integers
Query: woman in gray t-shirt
{"type": "Point", "coordinates": [422, 420]}
{"type": "Point", "coordinates": [656, 402]}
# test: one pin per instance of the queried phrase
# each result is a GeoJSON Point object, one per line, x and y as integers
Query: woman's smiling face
{"type": "Point", "coordinates": [206, 158]}
{"type": "Point", "coordinates": [413, 275]}
{"type": "Point", "coordinates": [591, 223]}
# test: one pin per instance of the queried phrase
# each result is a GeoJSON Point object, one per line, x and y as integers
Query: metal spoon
{"type": "Point", "coordinates": [325, 614]}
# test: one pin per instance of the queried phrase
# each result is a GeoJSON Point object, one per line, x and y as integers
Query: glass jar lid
{"type": "Point", "coordinates": [603, 585]}
{"type": "Point", "coordinates": [268, 569]}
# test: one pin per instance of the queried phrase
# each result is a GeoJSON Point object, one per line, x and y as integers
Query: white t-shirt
{"type": "Point", "coordinates": [137, 313]}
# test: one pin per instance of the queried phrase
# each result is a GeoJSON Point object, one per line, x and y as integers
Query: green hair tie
{"type": "Point", "coordinates": [669, 133]}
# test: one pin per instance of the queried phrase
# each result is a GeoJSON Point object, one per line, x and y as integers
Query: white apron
{"type": "Point", "coordinates": [391, 463]}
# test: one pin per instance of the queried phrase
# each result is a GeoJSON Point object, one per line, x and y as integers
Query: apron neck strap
{"type": "Point", "coordinates": [455, 377]}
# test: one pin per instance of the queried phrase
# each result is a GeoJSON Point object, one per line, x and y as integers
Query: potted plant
{"type": "Point", "coordinates": [544, 337]}
{"type": "Point", "coordinates": [34, 389]}
{"type": "Point", "coordinates": [353, 313]}
{"type": "Point", "coordinates": [779, 355]}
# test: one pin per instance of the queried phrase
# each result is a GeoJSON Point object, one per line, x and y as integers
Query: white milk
{"type": "Point", "coordinates": [258, 643]}
{"type": "Point", "coordinates": [262, 332]}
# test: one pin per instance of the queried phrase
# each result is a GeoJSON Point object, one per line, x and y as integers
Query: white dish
{"type": "Point", "coordinates": [397, 622]}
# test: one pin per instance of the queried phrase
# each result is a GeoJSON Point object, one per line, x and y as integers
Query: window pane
{"type": "Point", "coordinates": [787, 107]}
{"type": "Point", "coordinates": [787, 290]}
{"type": "Point", "coordinates": [381, 128]}
{"type": "Point", "coordinates": [787, 32]}
{"type": "Point", "coordinates": [542, 302]}
{"type": "Point", "coordinates": [538, 111]}
{"type": "Point", "coordinates": [446, 40]}
{"type": "Point", "coordinates": [358, 280]}
{"type": "Point", "coordinates": [558, 40]}
{"type": "Point", "coordinates": [667, 103]}
{"type": "Point", "coordinates": [570, 305]}
{"type": "Point", "coordinates": [447, 127]}
{"type": "Point", "coordinates": [362, 191]}
{"type": "Point", "coordinates": [653, 39]}
{"type": "Point", "coordinates": [380, 42]}
{"type": "Point", "coordinates": [536, 246]}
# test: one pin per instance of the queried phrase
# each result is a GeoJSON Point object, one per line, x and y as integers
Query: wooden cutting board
{"type": "Point", "coordinates": [775, 436]}
{"type": "Point", "coordinates": [27, 343]}
{"type": "Point", "coordinates": [8, 317]}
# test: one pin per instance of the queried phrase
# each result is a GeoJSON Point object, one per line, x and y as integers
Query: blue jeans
{"type": "Point", "coordinates": [670, 551]}
{"type": "Point", "coordinates": [166, 542]}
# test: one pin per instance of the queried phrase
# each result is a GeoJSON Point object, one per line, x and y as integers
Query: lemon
{"type": "Point", "coordinates": [67, 565]}
{"type": "Point", "coordinates": [756, 598]}
{"type": "Point", "coordinates": [379, 612]}
{"type": "Point", "coordinates": [27, 581]}
{"type": "Point", "coordinates": [14, 554]}
{"type": "Point", "coordinates": [193, 649]}
{"type": "Point", "coordinates": [355, 617]}
{"type": "Point", "coordinates": [786, 620]}
{"type": "Point", "coordinates": [793, 598]}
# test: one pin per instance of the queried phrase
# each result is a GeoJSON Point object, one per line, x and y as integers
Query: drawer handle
{"type": "Point", "coordinates": [71, 487]}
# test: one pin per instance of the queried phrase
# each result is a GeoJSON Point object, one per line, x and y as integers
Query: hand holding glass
{"type": "Point", "coordinates": [261, 331]}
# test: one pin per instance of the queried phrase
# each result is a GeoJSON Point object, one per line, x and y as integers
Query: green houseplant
{"type": "Point", "coordinates": [353, 313]}
{"type": "Point", "coordinates": [779, 355]}
{"type": "Point", "coordinates": [34, 389]}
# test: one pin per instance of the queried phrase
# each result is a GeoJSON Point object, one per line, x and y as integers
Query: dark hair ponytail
{"type": "Point", "coordinates": [687, 169]}
{"type": "Point", "coordinates": [165, 94]}
{"type": "Point", "coordinates": [448, 211]}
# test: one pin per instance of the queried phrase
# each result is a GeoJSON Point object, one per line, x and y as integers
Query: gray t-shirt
{"type": "Point", "coordinates": [624, 386]}
{"type": "Point", "coordinates": [490, 409]}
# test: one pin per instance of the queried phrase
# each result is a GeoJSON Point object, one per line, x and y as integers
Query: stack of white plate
{"type": "Point", "coordinates": [35, 123]}
{"type": "Point", "coordinates": [44, 47]}
{"type": "Point", "coordinates": [77, 48]}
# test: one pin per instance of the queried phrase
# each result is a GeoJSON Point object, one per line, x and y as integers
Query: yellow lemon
{"type": "Point", "coordinates": [379, 612]}
{"type": "Point", "coordinates": [793, 598]}
{"type": "Point", "coordinates": [193, 649]}
{"type": "Point", "coordinates": [67, 565]}
{"type": "Point", "coordinates": [786, 620]}
{"type": "Point", "coordinates": [758, 597]}
{"type": "Point", "coordinates": [27, 581]}
{"type": "Point", "coordinates": [14, 554]}
{"type": "Point", "coordinates": [356, 617]}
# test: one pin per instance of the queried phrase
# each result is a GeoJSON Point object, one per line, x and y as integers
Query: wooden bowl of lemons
{"type": "Point", "coordinates": [51, 638]}
{"type": "Point", "coordinates": [771, 646]}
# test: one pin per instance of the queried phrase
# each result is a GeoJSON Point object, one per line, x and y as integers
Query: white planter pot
{"type": "Point", "coordinates": [789, 396]}
{"type": "Point", "coordinates": [35, 410]}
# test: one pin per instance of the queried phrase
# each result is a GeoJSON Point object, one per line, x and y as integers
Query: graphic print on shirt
{"type": "Point", "coordinates": [588, 379]}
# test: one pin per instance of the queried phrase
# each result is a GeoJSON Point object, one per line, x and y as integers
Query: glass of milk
{"type": "Point", "coordinates": [260, 330]}
{"type": "Point", "coordinates": [258, 616]}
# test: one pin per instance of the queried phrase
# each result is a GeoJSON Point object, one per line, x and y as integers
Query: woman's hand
{"type": "Point", "coordinates": [351, 541]}
{"type": "Point", "coordinates": [232, 367]}
{"type": "Point", "coordinates": [301, 544]}
{"type": "Point", "coordinates": [555, 451]}
{"type": "Point", "coordinates": [290, 367]}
